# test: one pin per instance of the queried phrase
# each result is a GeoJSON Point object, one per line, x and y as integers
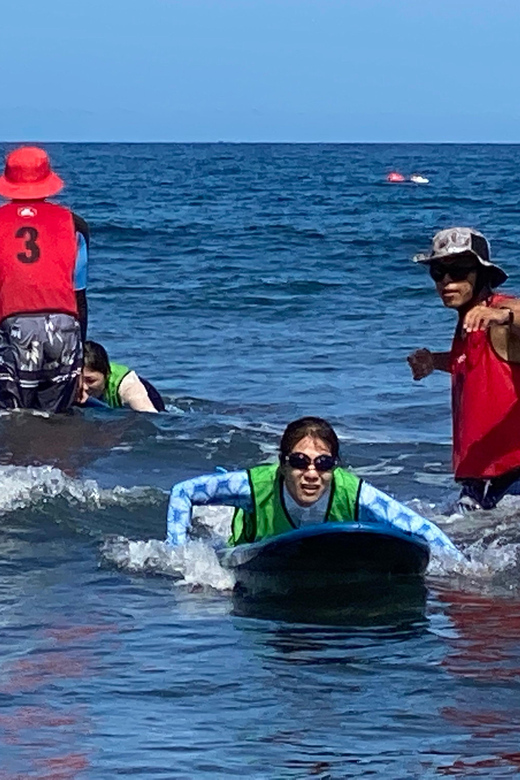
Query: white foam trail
{"type": "Point", "coordinates": [194, 564]}
{"type": "Point", "coordinates": [490, 540]}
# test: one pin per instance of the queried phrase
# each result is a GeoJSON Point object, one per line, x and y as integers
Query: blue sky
{"type": "Point", "coordinates": [260, 70]}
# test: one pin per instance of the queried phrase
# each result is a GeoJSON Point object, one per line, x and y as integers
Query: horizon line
{"type": "Point", "coordinates": [265, 143]}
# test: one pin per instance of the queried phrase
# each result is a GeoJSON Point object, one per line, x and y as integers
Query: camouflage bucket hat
{"type": "Point", "coordinates": [460, 240]}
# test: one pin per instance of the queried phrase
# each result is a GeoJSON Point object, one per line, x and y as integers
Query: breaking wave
{"type": "Point", "coordinates": [118, 518]}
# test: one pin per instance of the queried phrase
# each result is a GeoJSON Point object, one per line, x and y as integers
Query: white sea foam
{"type": "Point", "coordinates": [22, 487]}
{"type": "Point", "coordinates": [379, 470]}
{"type": "Point", "coordinates": [213, 521]}
{"type": "Point", "coordinates": [490, 540]}
{"type": "Point", "coordinates": [194, 564]}
{"type": "Point", "coordinates": [492, 569]}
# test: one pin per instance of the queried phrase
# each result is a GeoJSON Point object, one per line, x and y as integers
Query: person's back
{"type": "Point", "coordinates": [43, 257]}
{"type": "Point", "coordinates": [37, 259]}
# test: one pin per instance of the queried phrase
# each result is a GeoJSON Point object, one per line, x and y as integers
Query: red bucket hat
{"type": "Point", "coordinates": [28, 175]}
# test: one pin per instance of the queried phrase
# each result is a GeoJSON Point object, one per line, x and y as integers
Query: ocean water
{"type": "Point", "coordinates": [253, 284]}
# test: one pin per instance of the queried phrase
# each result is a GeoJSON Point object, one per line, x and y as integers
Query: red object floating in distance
{"type": "Point", "coordinates": [394, 176]}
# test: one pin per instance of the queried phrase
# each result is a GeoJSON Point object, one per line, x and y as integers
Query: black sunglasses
{"type": "Point", "coordinates": [298, 460]}
{"type": "Point", "coordinates": [457, 271]}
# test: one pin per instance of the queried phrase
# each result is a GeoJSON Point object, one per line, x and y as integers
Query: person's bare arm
{"type": "Point", "coordinates": [515, 321]}
{"type": "Point", "coordinates": [133, 393]}
{"type": "Point", "coordinates": [423, 362]}
{"type": "Point", "coordinates": [505, 312]}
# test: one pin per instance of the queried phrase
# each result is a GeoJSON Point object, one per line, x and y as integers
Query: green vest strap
{"type": "Point", "coordinates": [114, 379]}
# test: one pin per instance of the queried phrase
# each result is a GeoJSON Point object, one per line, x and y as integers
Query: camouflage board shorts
{"type": "Point", "coordinates": [41, 358]}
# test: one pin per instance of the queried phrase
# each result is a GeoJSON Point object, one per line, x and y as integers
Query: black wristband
{"type": "Point", "coordinates": [511, 319]}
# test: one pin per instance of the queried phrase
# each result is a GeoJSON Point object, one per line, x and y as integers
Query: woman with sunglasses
{"type": "Point", "coordinates": [483, 362]}
{"type": "Point", "coordinates": [306, 486]}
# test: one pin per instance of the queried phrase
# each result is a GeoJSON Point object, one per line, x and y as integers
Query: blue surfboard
{"type": "Point", "coordinates": [326, 556]}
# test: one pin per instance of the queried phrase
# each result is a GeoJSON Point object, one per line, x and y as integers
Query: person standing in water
{"type": "Point", "coordinates": [306, 486]}
{"type": "Point", "coordinates": [115, 384]}
{"type": "Point", "coordinates": [43, 305]}
{"type": "Point", "coordinates": [483, 363]}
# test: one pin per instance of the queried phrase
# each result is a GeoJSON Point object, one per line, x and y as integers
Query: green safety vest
{"type": "Point", "coordinates": [270, 517]}
{"type": "Point", "coordinates": [114, 379]}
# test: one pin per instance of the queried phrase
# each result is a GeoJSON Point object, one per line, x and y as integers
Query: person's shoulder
{"type": "Point", "coordinates": [80, 225]}
{"type": "Point", "coordinates": [265, 471]}
{"type": "Point", "coordinates": [341, 474]}
{"type": "Point", "coordinates": [126, 376]}
{"type": "Point", "coordinates": [121, 369]}
{"type": "Point", "coordinates": [264, 467]}
{"type": "Point", "coordinates": [497, 299]}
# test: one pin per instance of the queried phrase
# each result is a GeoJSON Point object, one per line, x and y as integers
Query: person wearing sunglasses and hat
{"type": "Point", "coordinates": [484, 365]}
{"type": "Point", "coordinates": [306, 486]}
{"type": "Point", "coordinates": [43, 305]}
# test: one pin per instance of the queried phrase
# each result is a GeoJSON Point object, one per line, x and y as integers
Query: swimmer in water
{"type": "Point", "coordinates": [115, 384]}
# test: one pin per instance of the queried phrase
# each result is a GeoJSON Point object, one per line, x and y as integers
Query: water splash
{"type": "Point", "coordinates": [490, 540]}
{"type": "Point", "coordinates": [24, 487]}
{"type": "Point", "coordinates": [195, 564]}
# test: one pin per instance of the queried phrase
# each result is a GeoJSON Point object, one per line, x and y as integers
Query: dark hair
{"type": "Point", "coordinates": [484, 276]}
{"type": "Point", "coordinates": [95, 357]}
{"type": "Point", "coordinates": [483, 280]}
{"type": "Point", "coordinates": [316, 427]}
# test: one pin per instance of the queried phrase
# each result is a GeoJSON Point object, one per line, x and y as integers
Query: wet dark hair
{"type": "Point", "coordinates": [316, 427]}
{"type": "Point", "coordinates": [95, 358]}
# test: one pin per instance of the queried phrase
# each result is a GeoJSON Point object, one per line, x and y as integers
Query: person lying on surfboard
{"type": "Point", "coordinates": [114, 384]}
{"type": "Point", "coordinates": [306, 486]}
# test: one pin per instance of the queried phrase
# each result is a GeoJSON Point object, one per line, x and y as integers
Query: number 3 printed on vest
{"type": "Point", "coordinates": [29, 235]}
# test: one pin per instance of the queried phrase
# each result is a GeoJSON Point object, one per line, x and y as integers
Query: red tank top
{"type": "Point", "coordinates": [37, 259]}
{"type": "Point", "coordinates": [485, 407]}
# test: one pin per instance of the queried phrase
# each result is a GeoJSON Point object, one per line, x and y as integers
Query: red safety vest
{"type": "Point", "coordinates": [485, 407]}
{"type": "Point", "coordinates": [37, 259]}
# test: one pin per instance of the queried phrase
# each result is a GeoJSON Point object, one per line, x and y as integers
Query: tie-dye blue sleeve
{"type": "Point", "coordinates": [80, 271]}
{"type": "Point", "coordinates": [229, 489]}
{"type": "Point", "coordinates": [376, 506]}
